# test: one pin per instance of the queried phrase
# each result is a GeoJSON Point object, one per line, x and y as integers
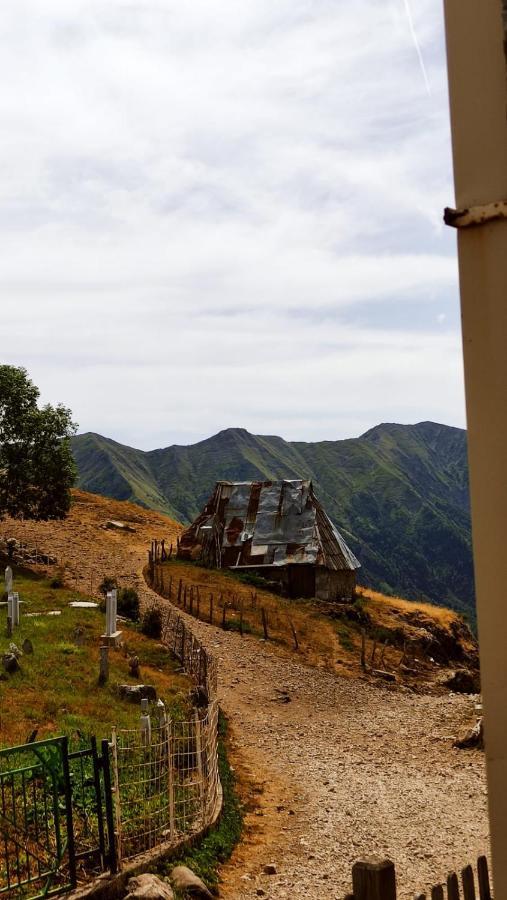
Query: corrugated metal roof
{"type": "Point", "coordinates": [275, 523]}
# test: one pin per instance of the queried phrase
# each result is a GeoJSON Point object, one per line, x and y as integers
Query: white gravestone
{"type": "Point", "coordinates": [8, 580]}
{"type": "Point", "coordinates": [13, 608]}
{"type": "Point", "coordinates": [112, 635]}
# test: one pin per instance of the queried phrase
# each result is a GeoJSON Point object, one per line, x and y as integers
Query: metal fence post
{"type": "Point", "coordinates": [114, 850]}
{"type": "Point", "coordinates": [68, 812]}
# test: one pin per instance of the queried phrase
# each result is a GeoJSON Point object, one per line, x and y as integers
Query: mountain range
{"type": "Point", "coordinates": [398, 493]}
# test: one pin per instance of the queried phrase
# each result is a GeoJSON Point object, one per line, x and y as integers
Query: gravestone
{"type": "Point", "coordinates": [8, 580]}
{"type": "Point", "coordinates": [13, 608]}
{"type": "Point", "coordinates": [112, 636]}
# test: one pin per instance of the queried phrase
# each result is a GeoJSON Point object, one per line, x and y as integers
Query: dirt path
{"type": "Point", "coordinates": [344, 770]}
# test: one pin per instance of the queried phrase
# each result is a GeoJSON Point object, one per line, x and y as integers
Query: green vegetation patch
{"type": "Point", "coordinates": [57, 689]}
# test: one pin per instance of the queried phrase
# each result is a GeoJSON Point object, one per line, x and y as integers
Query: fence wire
{"type": "Point", "coordinates": [166, 781]}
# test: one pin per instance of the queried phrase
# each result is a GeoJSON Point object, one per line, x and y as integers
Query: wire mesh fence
{"type": "Point", "coordinates": [166, 780]}
{"type": "Point", "coordinates": [195, 659]}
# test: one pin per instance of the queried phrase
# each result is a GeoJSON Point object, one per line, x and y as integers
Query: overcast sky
{"type": "Point", "coordinates": [226, 213]}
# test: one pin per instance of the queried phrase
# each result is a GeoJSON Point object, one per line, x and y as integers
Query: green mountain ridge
{"type": "Point", "coordinates": [398, 493]}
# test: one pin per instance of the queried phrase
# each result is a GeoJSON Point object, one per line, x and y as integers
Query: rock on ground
{"type": "Point", "coordinates": [183, 879]}
{"type": "Point", "coordinates": [148, 887]}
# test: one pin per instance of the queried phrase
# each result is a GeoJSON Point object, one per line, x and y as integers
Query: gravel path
{"type": "Point", "coordinates": [344, 770]}
{"type": "Point", "coordinates": [350, 770]}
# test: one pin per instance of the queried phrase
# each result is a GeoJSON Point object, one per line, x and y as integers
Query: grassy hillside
{"type": "Point", "coordinates": [399, 494]}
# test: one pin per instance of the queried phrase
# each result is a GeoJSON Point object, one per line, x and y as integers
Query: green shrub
{"type": "Point", "coordinates": [108, 583]}
{"type": "Point", "coordinates": [128, 604]}
{"type": "Point", "coordinates": [57, 580]}
{"type": "Point", "coordinates": [151, 622]}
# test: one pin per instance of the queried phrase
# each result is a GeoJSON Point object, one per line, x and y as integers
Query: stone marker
{"type": "Point", "coordinates": [104, 664]}
{"type": "Point", "coordinates": [136, 693]}
{"type": "Point", "coordinates": [145, 723]}
{"type": "Point", "coordinates": [13, 608]}
{"type": "Point", "coordinates": [83, 604]}
{"type": "Point", "coordinates": [8, 580]}
{"type": "Point", "coordinates": [112, 635]}
{"type": "Point", "coordinates": [10, 662]}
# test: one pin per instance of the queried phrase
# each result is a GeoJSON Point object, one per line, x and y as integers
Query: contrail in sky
{"type": "Point", "coordinates": [417, 46]}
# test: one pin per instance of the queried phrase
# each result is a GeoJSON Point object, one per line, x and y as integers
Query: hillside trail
{"type": "Point", "coordinates": [331, 769]}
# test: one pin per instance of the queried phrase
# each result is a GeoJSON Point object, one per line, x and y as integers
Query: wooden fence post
{"type": "Point", "coordinates": [374, 880]}
{"type": "Point", "coordinates": [452, 887]}
{"type": "Point", "coordinates": [363, 649]}
{"type": "Point", "coordinates": [482, 871]}
{"type": "Point", "coordinates": [294, 635]}
{"type": "Point", "coordinates": [264, 623]}
{"type": "Point", "coordinates": [191, 601]}
{"type": "Point", "coordinates": [180, 588]}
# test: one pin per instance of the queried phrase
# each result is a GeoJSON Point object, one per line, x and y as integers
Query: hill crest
{"type": "Point", "coordinates": [399, 493]}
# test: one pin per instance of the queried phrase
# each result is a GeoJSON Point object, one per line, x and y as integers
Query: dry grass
{"type": "Point", "coordinates": [388, 605]}
{"type": "Point", "coordinates": [328, 637]}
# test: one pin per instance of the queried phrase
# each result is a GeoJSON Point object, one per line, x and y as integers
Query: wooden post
{"type": "Point", "coordinates": [104, 664]}
{"type": "Point", "coordinates": [185, 597]}
{"type": "Point", "coordinates": [198, 609]}
{"type": "Point", "coordinates": [437, 892]}
{"type": "Point", "coordinates": [452, 887]}
{"type": "Point", "coordinates": [9, 626]}
{"type": "Point", "coordinates": [170, 778]}
{"type": "Point", "coordinates": [294, 635]}
{"type": "Point", "coordinates": [170, 585]}
{"type": "Point", "coordinates": [467, 877]}
{"type": "Point", "coordinates": [241, 619]}
{"type": "Point", "coordinates": [211, 609]}
{"type": "Point", "coordinates": [180, 588]}
{"type": "Point", "coordinates": [373, 653]}
{"type": "Point", "coordinates": [264, 623]}
{"type": "Point", "coordinates": [363, 649]}
{"type": "Point", "coordinates": [191, 601]}
{"type": "Point", "coordinates": [374, 880]}
{"type": "Point", "coordinates": [198, 753]}
{"type": "Point", "coordinates": [482, 871]}
{"type": "Point", "coordinates": [224, 615]}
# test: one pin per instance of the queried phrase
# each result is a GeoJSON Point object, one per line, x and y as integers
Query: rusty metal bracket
{"type": "Point", "coordinates": [475, 215]}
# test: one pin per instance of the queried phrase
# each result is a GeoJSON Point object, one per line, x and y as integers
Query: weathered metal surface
{"type": "Point", "coordinates": [279, 523]}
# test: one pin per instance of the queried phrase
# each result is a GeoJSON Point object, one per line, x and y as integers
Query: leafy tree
{"type": "Point", "coordinates": [36, 464]}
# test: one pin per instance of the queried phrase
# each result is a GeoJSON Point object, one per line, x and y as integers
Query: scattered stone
{"type": "Point", "coordinates": [79, 636]}
{"type": "Point", "coordinates": [10, 663]}
{"type": "Point", "coordinates": [118, 526]}
{"type": "Point", "coordinates": [134, 666]}
{"type": "Point", "coordinates": [148, 887]}
{"type": "Point", "coordinates": [183, 879]}
{"type": "Point", "coordinates": [269, 869]}
{"type": "Point", "coordinates": [83, 604]}
{"type": "Point", "coordinates": [27, 646]}
{"type": "Point", "coordinates": [463, 681]}
{"type": "Point", "coordinates": [473, 739]}
{"type": "Point", "coordinates": [134, 693]}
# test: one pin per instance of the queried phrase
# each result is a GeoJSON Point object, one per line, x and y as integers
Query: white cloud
{"type": "Point", "coordinates": [196, 197]}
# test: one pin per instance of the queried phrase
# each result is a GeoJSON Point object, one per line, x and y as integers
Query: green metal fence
{"type": "Point", "coordinates": [36, 826]}
{"type": "Point", "coordinates": [56, 823]}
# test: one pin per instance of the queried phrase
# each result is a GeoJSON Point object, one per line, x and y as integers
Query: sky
{"type": "Point", "coordinates": [228, 213]}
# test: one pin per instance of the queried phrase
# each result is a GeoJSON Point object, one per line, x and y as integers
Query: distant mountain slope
{"type": "Point", "coordinates": [399, 493]}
